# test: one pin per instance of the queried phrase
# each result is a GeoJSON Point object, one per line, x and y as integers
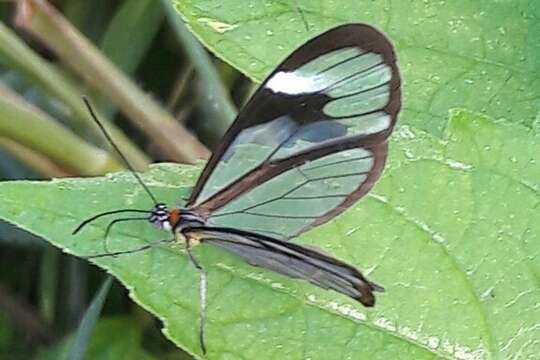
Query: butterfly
{"type": "Point", "coordinates": [311, 141]}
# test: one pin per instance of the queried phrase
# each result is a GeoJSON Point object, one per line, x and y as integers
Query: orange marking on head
{"type": "Point", "coordinates": [174, 217]}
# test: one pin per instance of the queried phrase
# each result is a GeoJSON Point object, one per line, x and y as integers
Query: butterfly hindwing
{"type": "Point", "coordinates": [290, 259]}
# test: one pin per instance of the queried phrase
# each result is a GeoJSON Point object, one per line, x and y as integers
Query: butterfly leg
{"type": "Point", "coordinates": [132, 251]}
{"type": "Point", "coordinates": [202, 294]}
{"type": "Point", "coordinates": [110, 226]}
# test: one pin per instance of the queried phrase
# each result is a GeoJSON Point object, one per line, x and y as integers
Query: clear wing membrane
{"type": "Point", "coordinates": [292, 260]}
{"type": "Point", "coordinates": [287, 203]}
{"type": "Point", "coordinates": [311, 141]}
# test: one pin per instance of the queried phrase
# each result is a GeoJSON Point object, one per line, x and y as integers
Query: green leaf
{"type": "Point", "coordinates": [130, 33]}
{"type": "Point", "coordinates": [128, 39]}
{"type": "Point", "coordinates": [451, 231]}
{"type": "Point", "coordinates": [482, 56]}
{"type": "Point", "coordinates": [90, 17]}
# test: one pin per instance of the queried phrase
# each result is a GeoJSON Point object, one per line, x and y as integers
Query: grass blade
{"type": "Point", "coordinates": [80, 343]}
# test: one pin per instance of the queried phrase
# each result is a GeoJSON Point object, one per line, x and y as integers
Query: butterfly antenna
{"type": "Point", "coordinates": [115, 147]}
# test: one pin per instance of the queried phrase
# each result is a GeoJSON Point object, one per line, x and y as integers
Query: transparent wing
{"type": "Point", "coordinates": [304, 196]}
{"type": "Point", "coordinates": [292, 260]}
{"type": "Point", "coordinates": [311, 141]}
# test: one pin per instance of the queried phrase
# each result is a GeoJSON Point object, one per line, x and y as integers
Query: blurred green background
{"type": "Point", "coordinates": [162, 96]}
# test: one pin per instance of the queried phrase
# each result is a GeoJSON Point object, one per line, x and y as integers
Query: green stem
{"type": "Point", "coordinates": [218, 107]}
{"type": "Point", "coordinates": [40, 163]}
{"type": "Point", "coordinates": [26, 124]}
{"type": "Point", "coordinates": [16, 55]}
{"type": "Point", "coordinates": [48, 25]}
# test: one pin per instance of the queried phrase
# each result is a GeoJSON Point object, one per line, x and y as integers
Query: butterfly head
{"type": "Point", "coordinates": [160, 217]}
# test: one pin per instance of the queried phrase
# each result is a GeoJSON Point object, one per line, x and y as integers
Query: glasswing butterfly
{"type": "Point", "coordinates": [311, 141]}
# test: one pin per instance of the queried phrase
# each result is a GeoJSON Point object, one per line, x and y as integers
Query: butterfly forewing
{"type": "Point", "coordinates": [311, 141]}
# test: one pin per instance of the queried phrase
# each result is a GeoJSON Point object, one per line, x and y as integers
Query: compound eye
{"type": "Point", "coordinates": [161, 206]}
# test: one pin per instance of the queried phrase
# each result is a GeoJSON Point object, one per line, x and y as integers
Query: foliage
{"type": "Point", "coordinates": [442, 244]}
{"type": "Point", "coordinates": [451, 230]}
{"type": "Point", "coordinates": [463, 53]}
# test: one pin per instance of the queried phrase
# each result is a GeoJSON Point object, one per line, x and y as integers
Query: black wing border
{"type": "Point", "coordinates": [363, 36]}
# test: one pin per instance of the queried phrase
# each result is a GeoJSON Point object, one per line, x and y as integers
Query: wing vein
{"type": "Point", "coordinates": [363, 91]}
{"type": "Point", "coordinates": [315, 197]}
{"type": "Point", "coordinates": [371, 112]}
{"type": "Point", "coordinates": [284, 195]}
{"type": "Point", "coordinates": [352, 57]}
{"type": "Point", "coordinates": [348, 77]}
{"type": "Point", "coordinates": [338, 162]}
{"type": "Point", "coordinates": [282, 216]}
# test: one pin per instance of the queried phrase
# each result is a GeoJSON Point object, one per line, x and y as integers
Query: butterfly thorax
{"type": "Point", "coordinates": [181, 219]}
